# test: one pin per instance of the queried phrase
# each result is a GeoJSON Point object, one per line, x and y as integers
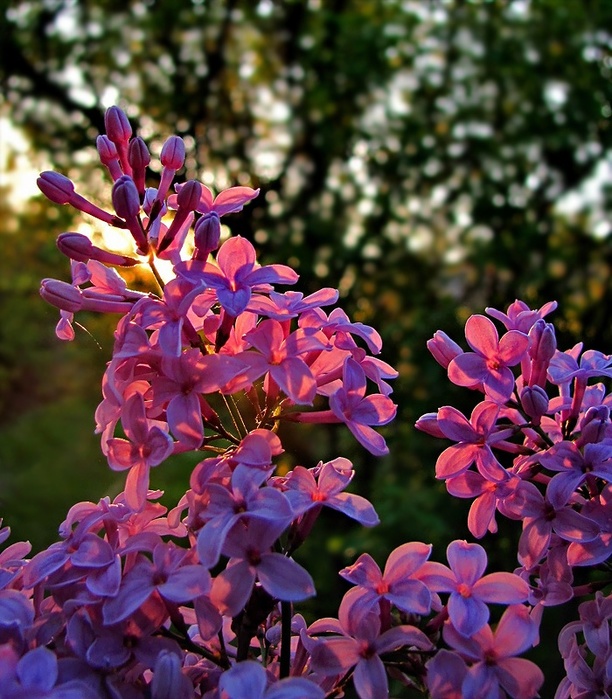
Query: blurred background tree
{"type": "Point", "coordinates": [428, 157]}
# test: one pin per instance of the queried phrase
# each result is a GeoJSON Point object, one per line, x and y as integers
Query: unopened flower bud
{"type": "Point", "coordinates": [542, 340]}
{"type": "Point", "coordinates": [58, 188]}
{"type": "Point", "coordinates": [168, 681]}
{"type": "Point", "coordinates": [125, 197]}
{"type": "Point", "coordinates": [173, 153]}
{"type": "Point", "coordinates": [139, 158]}
{"type": "Point", "coordinates": [542, 346]}
{"type": "Point", "coordinates": [78, 247]}
{"type": "Point", "coordinates": [189, 194]}
{"type": "Point", "coordinates": [127, 204]}
{"type": "Point", "coordinates": [109, 157]}
{"type": "Point", "coordinates": [117, 125]}
{"type": "Point", "coordinates": [61, 295]}
{"type": "Point", "coordinates": [207, 233]}
{"type": "Point", "coordinates": [594, 425]}
{"type": "Point", "coordinates": [443, 349]}
{"type": "Point", "coordinates": [534, 400]}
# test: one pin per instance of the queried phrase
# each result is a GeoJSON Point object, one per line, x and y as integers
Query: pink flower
{"type": "Point", "coordinates": [469, 591]}
{"type": "Point", "coordinates": [360, 647]}
{"type": "Point", "coordinates": [399, 583]}
{"type": "Point", "coordinates": [488, 364]}
{"type": "Point", "coordinates": [360, 412]}
{"type": "Point", "coordinates": [494, 668]}
{"type": "Point", "coordinates": [147, 446]}
{"type": "Point", "coordinates": [473, 438]}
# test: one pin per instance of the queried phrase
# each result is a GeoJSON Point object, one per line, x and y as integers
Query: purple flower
{"type": "Point", "coordinates": [248, 546]}
{"type": "Point", "coordinates": [473, 438]}
{"type": "Point", "coordinates": [398, 585]}
{"type": "Point", "coordinates": [470, 592]}
{"type": "Point", "coordinates": [494, 666]}
{"type": "Point", "coordinates": [360, 647]}
{"type": "Point", "coordinates": [304, 492]}
{"type": "Point", "coordinates": [171, 574]}
{"type": "Point", "coordinates": [360, 412]}
{"type": "Point", "coordinates": [488, 364]}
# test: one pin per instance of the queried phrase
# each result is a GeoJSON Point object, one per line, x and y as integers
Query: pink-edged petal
{"type": "Point", "coordinates": [467, 561]}
{"type": "Point", "coordinates": [334, 656]}
{"type": "Point", "coordinates": [185, 419]}
{"type": "Point", "coordinates": [295, 380]}
{"type": "Point", "coordinates": [520, 677]}
{"type": "Point", "coordinates": [284, 579]}
{"type": "Point", "coordinates": [481, 335]}
{"type": "Point", "coordinates": [186, 584]}
{"type": "Point", "coordinates": [512, 347]}
{"type": "Point", "coordinates": [206, 200]}
{"type": "Point", "coordinates": [410, 596]}
{"type": "Point", "coordinates": [232, 587]}
{"type": "Point", "coordinates": [455, 460]}
{"type": "Point", "coordinates": [534, 540]}
{"type": "Point", "coordinates": [499, 384]}
{"type": "Point", "coordinates": [481, 517]}
{"type": "Point", "coordinates": [137, 486]}
{"type": "Point", "coordinates": [135, 589]}
{"type": "Point", "coordinates": [272, 274]}
{"type": "Point", "coordinates": [375, 410]}
{"type": "Point", "coordinates": [516, 632]}
{"type": "Point", "coordinates": [236, 258]}
{"type": "Point", "coordinates": [369, 438]}
{"type": "Point", "coordinates": [355, 507]}
{"type": "Point", "coordinates": [501, 588]}
{"type": "Point", "coordinates": [468, 369]}
{"type": "Point", "coordinates": [399, 636]}
{"type": "Point", "coordinates": [120, 454]}
{"type": "Point", "coordinates": [233, 199]}
{"type": "Point", "coordinates": [405, 560]}
{"type": "Point", "coordinates": [364, 572]}
{"type": "Point", "coordinates": [455, 425]}
{"type": "Point", "coordinates": [93, 552]}
{"type": "Point", "coordinates": [489, 466]}
{"type": "Point", "coordinates": [437, 577]}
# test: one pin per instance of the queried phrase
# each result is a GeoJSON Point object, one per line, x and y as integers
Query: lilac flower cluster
{"type": "Point", "coordinates": [138, 602]}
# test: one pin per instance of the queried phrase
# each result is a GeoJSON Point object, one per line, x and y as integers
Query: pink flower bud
{"type": "Point", "coordinates": [207, 234]}
{"type": "Point", "coordinates": [109, 157]}
{"type": "Point", "coordinates": [168, 682]}
{"type": "Point", "coordinates": [534, 400]}
{"type": "Point", "coordinates": [58, 188]}
{"type": "Point", "coordinates": [189, 195]}
{"type": "Point", "coordinates": [443, 349]}
{"type": "Point", "coordinates": [594, 425]}
{"type": "Point", "coordinates": [542, 341]}
{"type": "Point", "coordinates": [139, 157]}
{"type": "Point", "coordinates": [173, 153]}
{"type": "Point", "coordinates": [125, 197]}
{"type": "Point", "coordinates": [61, 294]}
{"type": "Point", "coordinates": [117, 126]}
{"type": "Point", "coordinates": [78, 247]}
